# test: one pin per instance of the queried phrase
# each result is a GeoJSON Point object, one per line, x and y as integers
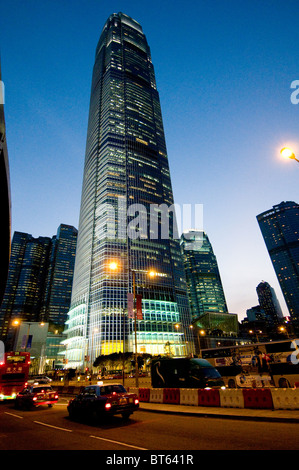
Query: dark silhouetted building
{"type": "Point", "coordinates": [269, 302]}
{"type": "Point", "coordinates": [5, 201]}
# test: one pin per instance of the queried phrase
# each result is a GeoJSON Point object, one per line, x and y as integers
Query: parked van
{"type": "Point", "coordinates": [184, 372]}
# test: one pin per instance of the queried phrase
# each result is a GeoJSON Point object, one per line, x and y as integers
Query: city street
{"type": "Point", "coordinates": [51, 429]}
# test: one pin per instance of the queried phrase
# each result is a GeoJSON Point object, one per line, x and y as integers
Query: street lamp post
{"type": "Point", "coordinates": [135, 329]}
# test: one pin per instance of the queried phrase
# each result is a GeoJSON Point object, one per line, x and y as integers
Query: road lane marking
{"type": "Point", "coordinates": [117, 442]}
{"type": "Point", "coordinates": [51, 426]}
{"type": "Point", "coordinates": [12, 414]}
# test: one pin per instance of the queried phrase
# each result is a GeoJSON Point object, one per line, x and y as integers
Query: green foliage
{"type": "Point", "coordinates": [115, 361]}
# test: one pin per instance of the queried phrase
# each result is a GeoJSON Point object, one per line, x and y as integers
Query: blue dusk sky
{"type": "Point", "coordinates": [224, 70]}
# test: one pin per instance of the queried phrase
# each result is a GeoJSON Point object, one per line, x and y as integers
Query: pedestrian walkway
{"type": "Point", "coordinates": [291, 416]}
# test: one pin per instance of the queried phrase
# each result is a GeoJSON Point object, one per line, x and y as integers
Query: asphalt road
{"type": "Point", "coordinates": [51, 429]}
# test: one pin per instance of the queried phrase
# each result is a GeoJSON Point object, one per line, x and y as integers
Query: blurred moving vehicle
{"type": "Point", "coordinates": [41, 379]}
{"type": "Point", "coordinates": [36, 395]}
{"type": "Point", "coordinates": [98, 401]}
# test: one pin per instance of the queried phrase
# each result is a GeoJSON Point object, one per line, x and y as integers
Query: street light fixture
{"type": "Point", "coordinates": [286, 152]}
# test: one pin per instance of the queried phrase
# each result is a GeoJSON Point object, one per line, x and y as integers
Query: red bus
{"type": "Point", "coordinates": [14, 370]}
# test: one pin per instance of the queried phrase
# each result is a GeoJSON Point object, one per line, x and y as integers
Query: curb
{"type": "Point", "coordinates": [220, 415]}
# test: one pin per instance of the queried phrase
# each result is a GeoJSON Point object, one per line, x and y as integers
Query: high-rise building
{"type": "Point", "coordinates": [58, 288]}
{"type": "Point", "coordinates": [39, 279]}
{"type": "Point", "coordinates": [280, 229]}
{"type": "Point", "coordinates": [269, 302]}
{"type": "Point", "coordinates": [5, 203]}
{"type": "Point", "coordinates": [126, 180]}
{"type": "Point", "coordinates": [204, 283]}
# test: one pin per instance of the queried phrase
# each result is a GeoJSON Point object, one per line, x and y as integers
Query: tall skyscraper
{"type": "Point", "coordinates": [269, 302]}
{"type": "Point", "coordinates": [5, 203]}
{"type": "Point", "coordinates": [26, 279]}
{"type": "Point", "coordinates": [204, 283]}
{"type": "Point", "coordinates": [58, 288]}
{"type": "Point", "coordinates": [280, 229]}
{"type": "Point", "coordinates": [126, 179]}
{"type": "Point", "coordinates": [39, 279]}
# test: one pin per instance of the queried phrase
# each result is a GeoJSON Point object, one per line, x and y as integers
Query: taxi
{"type": "Point", "coordinates": [103, 400]}
{"type": "Point", "coordinates": [36, 395]}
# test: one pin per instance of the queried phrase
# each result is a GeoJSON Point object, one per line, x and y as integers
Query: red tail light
{"type": "Point", "coordinates": [108, 406]}
{"type": "Point", "coordinates": [34, 398]}
{"type": "Point", "coordinates": [56, 397]}
{"type": "Point", "coordinates": [136, 401]}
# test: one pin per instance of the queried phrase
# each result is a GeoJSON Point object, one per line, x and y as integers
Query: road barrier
{"type": "Point", "coordinates": [231, 398]}
{"type": "Point", "coordinates": [144, 394]}
{"type": "Point", "coordinates": [171, 395]}
{"type": "Point", "coordinates": [285, 398]}
{"type": "Point", "coordinates": [208, 397]}
{"type": "Point", "coordinates": [262, 398]}
{"type": "Point", "coordinates": [189, 396]}
{"type": "Point", "coordinates": [257, 398]}
{"type": "Point", "coordinates": [156, 395]}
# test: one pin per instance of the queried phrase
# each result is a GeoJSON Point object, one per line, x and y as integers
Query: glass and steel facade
{"type": "Point", "coordinates": [280, 230]}
{"type": "Point", "coordinates": [204, 283]}
{"type": "Point", "coordinates": [126, 179]}
{"type": "Point", "coordinates": [58, 287]}
{"type": "Point", "coordinates": [39, 280]}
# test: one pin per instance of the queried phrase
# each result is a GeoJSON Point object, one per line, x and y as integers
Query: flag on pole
{"type": "Point", "coordinates": [130, 305]}
{"type": "Point", "coordinates": [139, 307]}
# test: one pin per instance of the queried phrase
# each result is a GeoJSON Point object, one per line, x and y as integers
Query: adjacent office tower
{"type": "Point", "coordinates": [280, 229]}
{"type": "Point", "coordinates": [5, 204]}
{"type": "Point", "coordinates": [269, 302]}
{"type": "Point", "coordinates": [126, 179]}
{"type": "Point", "coordinates": [203, 278]}
{"type": "Point", "coordinates": [39, 279]}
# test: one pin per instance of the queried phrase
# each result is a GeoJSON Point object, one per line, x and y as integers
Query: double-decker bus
{"type": "Point", "coordinates": [269, 364]}
{"type": "Point", "coordinates": [14, 370]}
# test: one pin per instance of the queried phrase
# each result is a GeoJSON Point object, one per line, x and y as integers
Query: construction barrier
{"type": "Point", "coordinates": [262, 398]}
{"type": "Point", "coordinates": [144, 394]}
{"type": "Point", "coordinates": [285, 398]}
{"type": "Point", "coordinates": [231, 398]}
{"type": "Point", "coordinates": [257, 398]}
{"type": "Point", "coordinates": [189, 396]}
{"type": "Point", "coordinates": [156, 395]}
{"type": "Point", "coordinates": [171, 395]}
{"type": "Point", "coordinates": [71, 389]}
{"type": "Point", "coordinates": [208, 397]}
